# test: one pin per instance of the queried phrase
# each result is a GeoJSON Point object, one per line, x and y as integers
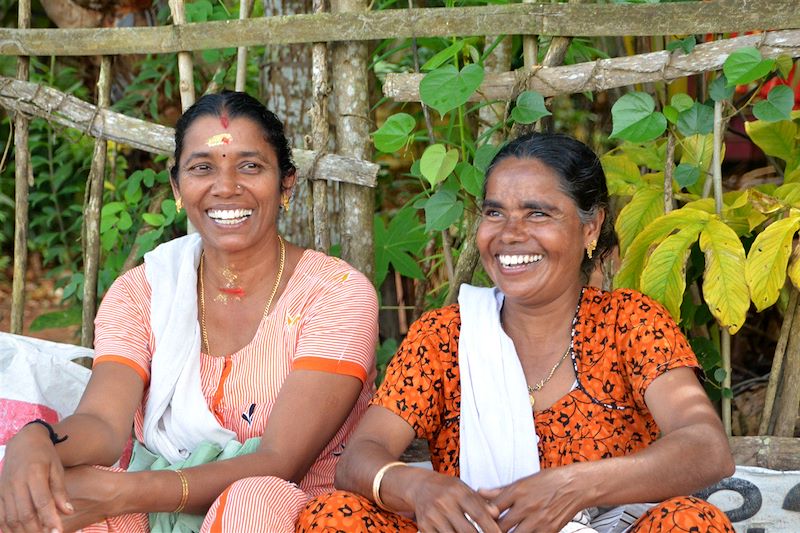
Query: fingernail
{"type": "Point", "coordinates": [69, 507]}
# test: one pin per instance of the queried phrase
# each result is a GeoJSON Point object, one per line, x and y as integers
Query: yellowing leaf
{"type": "Point", "coordinates": [724, 288]}
{"type": "Point", "coordinates": [764, 202]}
{"type": "Point", "coordinates": [774, 138]}
{"type": "Point", "coordinates": [789, 193]}
{"type": "Point", "coordinates": [646, 205]}
{"type": "Point", "coordinates": [664, 275]}
{"type": "Point", "coordinates": [765, 268]}
{"type": "Point", "coordinates": [621, 174]}
{"type": "Point", "coordinates": [698, 150]}
{"type": "Point", "coordinates": [634, 259]}
{"type": "Point", "coordinates": [703, 204]}
{"type": "Point", "coordinates": [794, 267]}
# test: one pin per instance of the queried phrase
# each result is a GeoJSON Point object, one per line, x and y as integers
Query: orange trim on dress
{"type": "Point", "coordinates": [217, 398]}
{"type": "Point", "coordinates": [123, 361]}
{"type": "Point", "coordinates": [334, 366]}
{"type": "Point", "coordinates": [216, 527]}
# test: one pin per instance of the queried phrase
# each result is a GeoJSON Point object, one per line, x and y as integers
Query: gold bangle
{"type": "Point", "coordinates": [376, 483]}
{"type": "Point", "coordinates": [184, 491]}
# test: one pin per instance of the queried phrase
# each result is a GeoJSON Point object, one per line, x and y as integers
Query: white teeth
{"type": "Point", "coordinates": [229, 216]}
{"type": "Point", "coordinates": [514, 260]}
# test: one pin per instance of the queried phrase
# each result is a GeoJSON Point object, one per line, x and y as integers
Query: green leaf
{"type": "Point", "coordinates": [112, 208]}
{"type": "Point", "coordinates": [484, 155]}
{"type": "Point", "coordinates": [724, 289]}
{"type": "Point", "coordinates": [442, 210]}
{"type": "Point", "coordinates": [789, 193]}
{"type": "Point", "coordinates": [154, 219]}
{"type": "Point", "coordinates": [108, 239]}
{"type": "Point", "coordinates": [396, 244]}
{"type": "Point", "coordinates": [746, 65]}
{"type": "Point", "coordinates": [774, 138]}
{"type": "Point", "coordinates": [765, 268]}
{"type": "Point", "coordinates": [634, 259]}
{"type": "Point", "coordinates": [720, 374]}
{"type": "Point", "coordinates": [471, 178]}
{"type": "Point", "coordinates": [646, 205]}
{"type": "Point", "coordinates": [670, 113]}
{"type": "Point", "coordinates": [682, 102]}
{"type": "Point", "coordinates": [777, 106]}
{"type": "Point", "coordinates": [125, 221]}
{"type": "Point", "coordinates": [687, 44]}
{"type": "Point", "coordinates": [445, 55]}
{"type": "Point", "coordinates": [437, 162]}
{"type": "Point", "coordinates": [697, 120]}
{"type": "Point", "coordinates": [622, 174]}
{"type": "Point", "coordinates": [635, 120]}
{"type": "Point", "coordinates": [57, 319]}
{"type": "Point", "coordinates": [784, 64]}
{"type": "Point", "coordinates": [686, 175]}
{"type": "Point", "coordinates": [446, 87]}
{"type": "Point", "coordinates": [719, 90]}
{"type": "Point", "coordinates": [394, 133]}
{"type": "Point", "coordinates": [530, 108]}
{"type": "Point", "coordinates": [664, 274]}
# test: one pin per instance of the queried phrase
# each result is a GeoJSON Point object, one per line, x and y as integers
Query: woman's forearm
{"type": "Point", "coordinates": [680, 463]}
{"type": "Point", "coordinates": [89, 441]}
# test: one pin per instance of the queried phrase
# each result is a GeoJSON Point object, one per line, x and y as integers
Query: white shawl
{"type": "Point", "coordinates": [177, 418]}
{"type": "Point", "coordinates": [498, 437]}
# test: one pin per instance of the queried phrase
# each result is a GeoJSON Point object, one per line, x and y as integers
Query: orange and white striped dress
{"type": "Point", "coordinates": [326, 319]}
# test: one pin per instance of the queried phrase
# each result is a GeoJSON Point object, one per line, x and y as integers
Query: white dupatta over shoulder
{"type": "Point", "coordinates": [176, 417]}
{"type": "Point", "coordinates": [498, 439]}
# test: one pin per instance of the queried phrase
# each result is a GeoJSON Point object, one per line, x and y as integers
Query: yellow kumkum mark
{"type": "Point", "coordinates": [219, 139]}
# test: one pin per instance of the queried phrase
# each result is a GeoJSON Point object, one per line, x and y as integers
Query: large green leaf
{"type": "Point", "coordinates": [646, 205]}
{"type": "Point", "coordinates": [442, 210]}
{"type": "Point", "coordinates": [746, 65]}
{"type": "Point", "coordinates": [719, 90]}
{"type": "Point", "coordinates": [635, 119]}
{"type": "Point", "coordinates": [634, 259]}
{"type": "Point", "coordinates": [686, 175]}
{"type": "Point", "coordinates": [396, 245]}
{"type": "Point", "coordinates": [724, 289]}
{"type": "Point", "coordinates": [777, 106]}
{"type": "Point", "coordinates": [447, 88]}
{"type": "Point", "coordinates": [394, 133]}
{"type": "Point", "coordinates": [774, 138]}
{"type": "Point", "coordinates": [57, 319]}
{"type": "Point", "coordinates": [664, 274]}
{"type": "Point", "coordinates": [697, 120]}
{"type": "Point", "coordinates": [445, 55]}
{"type": "Point", "coordinates": [437, 162]}
{"type": "Point", "coordinates": [471, 178]}
{"type": "Point", "coordinates": [765, 268]}
{"type": "Point", "coordinates": [530, 108]}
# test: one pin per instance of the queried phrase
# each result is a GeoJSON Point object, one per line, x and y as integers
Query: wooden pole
{"type": "Point", "coordinates": [23, 180]}
{"type": "Point", "coordinates": [320, 134]}
{"type": "Point", "coordinates": [767, 425]}
{"type": "Point", "coordinates": [241, 54]}
{"type": "Point", "coordinates": [91, 213]}
{"type": "Point", "coordinates": [352, 137]}
{"type": "Point", "coordinates": [185, 65]}
{"type": "Point", "coordinates": [789, 400]}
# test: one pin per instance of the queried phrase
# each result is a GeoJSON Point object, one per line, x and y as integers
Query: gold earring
{"type": "Point", "coordinates": [178, 205]}
{"type": "Point", "coordinates": [285, 202]}
{"type": "Point", "coordinates": [590, 248]}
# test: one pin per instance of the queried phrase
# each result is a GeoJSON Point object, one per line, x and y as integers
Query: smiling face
{"type": "Point", "coordinates": [531, 239]}
{"type": "Point", "coordinates": [229, 182]}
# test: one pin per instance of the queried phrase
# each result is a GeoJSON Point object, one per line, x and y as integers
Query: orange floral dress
{"type": "Point", "coordinates": [622, 341]}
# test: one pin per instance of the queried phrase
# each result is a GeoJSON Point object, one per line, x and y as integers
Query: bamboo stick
{"type": "Point", "coordinates": [320, 133]}
{"type": "Point", "coordinates": [767, 425]}
{"type": "Point", "coordinates": [590, 20]}
{"type": "Point", "coordinates": [185, 67]}
{"type": "Point", "coordinates": [91, 213]}
{"type": "Point", "coordinates": [789, 400]}
{"type": "Point", "coordinates": [350, 84]}
{"type": "Point", "coordinates": [245, 9]}
{"type": "Point", "coordinates": [22, 182]}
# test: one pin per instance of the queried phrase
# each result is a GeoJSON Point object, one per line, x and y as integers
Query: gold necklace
{"type": "Point", "coordinates": [543, 382]}
{"type": "Point", "coordinates": [204, 333]}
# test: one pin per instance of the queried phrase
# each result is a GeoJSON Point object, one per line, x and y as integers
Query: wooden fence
{"type": "Point", "coordinates": [339, 37]}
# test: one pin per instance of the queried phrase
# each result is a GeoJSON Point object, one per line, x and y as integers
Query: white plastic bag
{"type": "Point", "coordinates": [38, 380]}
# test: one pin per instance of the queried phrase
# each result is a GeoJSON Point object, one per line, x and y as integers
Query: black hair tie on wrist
{"type": "Point", "coordinates": [54, 438]}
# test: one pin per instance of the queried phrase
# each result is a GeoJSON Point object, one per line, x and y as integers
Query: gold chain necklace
{"type": "Point", "coordinates": [543, 382]}
{"type": "Point", "coordinates": [204, 333]}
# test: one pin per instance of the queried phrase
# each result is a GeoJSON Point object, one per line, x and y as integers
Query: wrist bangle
{"type": "Point", "coordinates": [184, 491]}
{"type": "Point", "coordinates": [54, 437]}
{"type": "Point", "coordinates": [376, 483]}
